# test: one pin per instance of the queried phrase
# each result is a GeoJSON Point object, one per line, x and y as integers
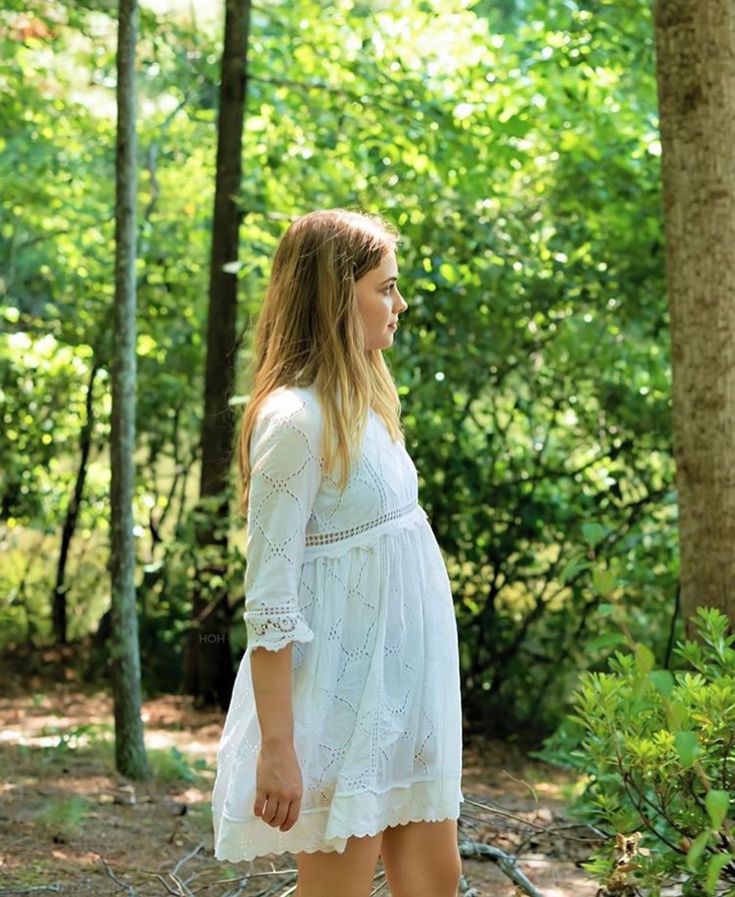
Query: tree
{"type": "Point", "coordinates": [130, 754]}
{"type": "Point", "coordinates": [209, 673]}
{"type": "Point", "coordinates": [59, 604]}
{"type": "Point", "coordinates": [695, 47]}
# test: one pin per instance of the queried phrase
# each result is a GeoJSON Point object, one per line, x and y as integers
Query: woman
{"type": "Point", "coordinates": [343, 740]}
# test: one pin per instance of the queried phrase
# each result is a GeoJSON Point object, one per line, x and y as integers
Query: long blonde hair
{"type": "Point", "coordinates": [309, 331]}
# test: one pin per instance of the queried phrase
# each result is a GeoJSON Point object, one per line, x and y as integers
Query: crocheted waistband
{"type": "Point", "coordinates": [316, 539]}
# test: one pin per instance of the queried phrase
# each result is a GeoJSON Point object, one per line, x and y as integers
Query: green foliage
{"type": "Point", "coordinates": [515, 146]}
{"type": "Point", "coordinates": [65, 815]}
{"type": "Point", "coordinates": [74, 737]}
{"type": "Point", "coordinates": [656, 746]}
{"type": "Point", "coordinates": [173, 766]}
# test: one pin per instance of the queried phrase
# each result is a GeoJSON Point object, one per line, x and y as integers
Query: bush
{"type": "Point", "coordinates": [657, 747]}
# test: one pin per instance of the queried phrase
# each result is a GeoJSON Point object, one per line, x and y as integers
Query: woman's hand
{"type": "Point", "coordinates": [278, 786]}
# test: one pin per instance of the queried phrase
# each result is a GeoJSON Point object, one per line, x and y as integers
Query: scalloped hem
{"type": "Point", "coordinates": [327, 830]}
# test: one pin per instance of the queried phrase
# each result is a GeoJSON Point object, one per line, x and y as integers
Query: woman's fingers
{"type": "Point", "coordinates": [278, 813]}
{"type": "Point", "coordinates": [259, 804]}
{"type": "Point", "coordinates": [279, 787]}
{"type": "Point", "coordinates": [279, 817]}
{"type": "Point", "coordinates": [293, 814]}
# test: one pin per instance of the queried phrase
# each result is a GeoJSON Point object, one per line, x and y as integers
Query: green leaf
{"type": "Point", "coordinates": [571, 568]}
{"type": "Point", "coordinates": [717, 803]}
{"type": "Point", "coordinates": [677, 715]}
{"type": "Point", "coordinates": [592, 533]}
{"type": "Point", "coordinates": [695, 851]}
{"type": "Point", "coordinates": [644, 659]}
{"type": "Point", "coordinates": [716, 864]}
{"type": "Point", "coordinates": [687, 747]}
{"type": "Point", "coordinates": [603, 581]}
{"type": "Point", "coordinates": [606, 640]}
{"type": "Point", "coordinates": [662, 681]}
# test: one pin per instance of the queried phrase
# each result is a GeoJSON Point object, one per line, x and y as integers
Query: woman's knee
{"type": "Point", "coordinates": [422, 859]}
{"type": "Point", "coordinates": [430, 882]}
{"type": "Point", "coordinates": [333, 874]}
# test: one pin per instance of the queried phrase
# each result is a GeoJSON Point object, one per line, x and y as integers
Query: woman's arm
{"type": "Point", "coordinates": [285, 478]}
{"type": "Point", "coordinates": [278, 781]}
{"type": "Point", "coordinates": [271, 673]}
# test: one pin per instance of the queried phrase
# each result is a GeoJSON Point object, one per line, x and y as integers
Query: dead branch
{"type": "Point", "coordinates": [506, 861]}
{"type": "Point", "coordinates": [56, 888]}
{"type": "Point", "coordinates": [189, 856]}
{"type": "Point", "coordinates": [128, 888]}
{"type": "Point", "coordinates": [541, 829]}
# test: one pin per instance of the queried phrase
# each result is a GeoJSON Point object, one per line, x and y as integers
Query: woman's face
{"type": "Point", "coordinates": [379, 302]}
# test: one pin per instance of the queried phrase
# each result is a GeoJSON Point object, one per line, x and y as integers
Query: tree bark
{"type": "Point", "coordinates": [59, 614]}
{"type": "Point", "coordinates": [208, 668]}
{"type": "Point", "coordinates": [695, 47]}
{"type": "Point", "coordinates": [130, 756]}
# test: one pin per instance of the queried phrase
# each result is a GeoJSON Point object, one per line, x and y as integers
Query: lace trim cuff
{"type": "Point", "coordinates": [273, 628]}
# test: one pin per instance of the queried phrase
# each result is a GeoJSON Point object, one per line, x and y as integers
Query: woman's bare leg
{"type": "Point", "coordinates": [421, 859]}
{"type": "Point", "coordinates": [332, 874]}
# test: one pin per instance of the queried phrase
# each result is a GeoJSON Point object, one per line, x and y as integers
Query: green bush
{"type": "Point", "coordinates": [65, 815]}
{"type": "Point", "coordinates": [657, 748]}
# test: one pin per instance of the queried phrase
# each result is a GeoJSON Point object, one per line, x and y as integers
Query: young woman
{"type": "Point", "coordinates": [343, 740]}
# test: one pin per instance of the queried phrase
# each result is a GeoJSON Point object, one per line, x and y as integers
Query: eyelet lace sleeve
{"type": "Point", "coordinates": [285, 477]}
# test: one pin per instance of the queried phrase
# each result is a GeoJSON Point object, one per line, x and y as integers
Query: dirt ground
{"type": "Point", "coordinates": [69, 824]}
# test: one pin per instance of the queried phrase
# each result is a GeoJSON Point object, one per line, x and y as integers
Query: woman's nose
{"type": "Point", "coordinates": [402, 305]}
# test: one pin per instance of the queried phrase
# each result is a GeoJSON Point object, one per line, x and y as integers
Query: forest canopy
{"type": "Point", "coordinates": [515, 146]}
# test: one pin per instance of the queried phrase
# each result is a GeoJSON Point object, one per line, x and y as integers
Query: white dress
{"type": "Point", "coordinates": [357, 581]}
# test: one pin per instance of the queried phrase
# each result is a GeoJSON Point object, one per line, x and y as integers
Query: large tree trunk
{"type": "Point", "coordinates": [59, 613]}
{"type": "Point", "coordinates": [130, 754]}
{"type": "Point", "coordinates": [209, 674]}
{"type": "Point", "coordinates": [695, 45]}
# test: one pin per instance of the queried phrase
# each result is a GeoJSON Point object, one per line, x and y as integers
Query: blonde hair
{"type": "Point", "coordinates": [309, 331]}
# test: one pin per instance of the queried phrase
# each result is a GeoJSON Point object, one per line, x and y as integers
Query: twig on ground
{"type": "Point", "coordinates": [56, 888]}
{"type": "Point", "coordinates": [189, 856]}
{"type": "Point", "coordinates": [464, 888]}
{"type": "Point", "coordinates": [183, 890]}
{"type": "Point", "coordinates": [496, 811]}
{"type": "Point", "coordinates": [129, 888]}
{"type": "Point", "coordinates": [553, 829]}
{"type": "Point", "coordinates": [166, 884]}
{"type": "Point", "coordinates": [506, 861]}
{"type": "Point", "coordinates": [383, 883]}
{"type": "Point", "coordinates": [523, 782]}
{"type": "Point", "coordinates": [241, 881]}
{"type": "Point", "coordinates": [236, 892]}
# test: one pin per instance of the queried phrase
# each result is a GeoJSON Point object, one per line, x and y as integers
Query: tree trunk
{"type": "Point", "coordinates": [208, 670]}
{"type": "Point", "coordinates": [58, 603]}
{"type": "Point", "coordinates": [695, 46]}
{"type": "Point", "coordinates": [130, 756]}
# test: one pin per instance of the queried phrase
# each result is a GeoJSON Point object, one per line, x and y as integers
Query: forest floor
{"type": "Point", "coordinates": [69, 824]}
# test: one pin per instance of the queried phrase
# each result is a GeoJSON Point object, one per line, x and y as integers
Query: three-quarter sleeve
{"type": "Point", "coordinates": [286, 472]}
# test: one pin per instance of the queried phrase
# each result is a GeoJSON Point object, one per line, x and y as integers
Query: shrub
{"type": "Point", "coordinates": [657, 747]}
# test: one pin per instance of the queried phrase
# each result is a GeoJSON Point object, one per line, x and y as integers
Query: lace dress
{"type": "Point", "coordinates": [357, 581]}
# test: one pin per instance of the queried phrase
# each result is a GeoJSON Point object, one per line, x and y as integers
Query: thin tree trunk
{"type": "Point", "coordinates": [59, 603]}
{"type": "Point", "coordinates": [209, 674]}
{"type": "Point", "coordinates": [130, 756]}
{"type": "Point", "coordinates": [695, 45]}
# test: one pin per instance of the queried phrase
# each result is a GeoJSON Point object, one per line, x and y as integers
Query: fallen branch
{"type": "Point", "coordinates": [542, 829]}
{"type": "Point", "coordinates": [55, 888]}
{"type": "Point", "coordinates": [189, 856]}
{"type": "Point", "coordinates": [129, 888]}
{"type": "Point", "coordinates": [506, 861]}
